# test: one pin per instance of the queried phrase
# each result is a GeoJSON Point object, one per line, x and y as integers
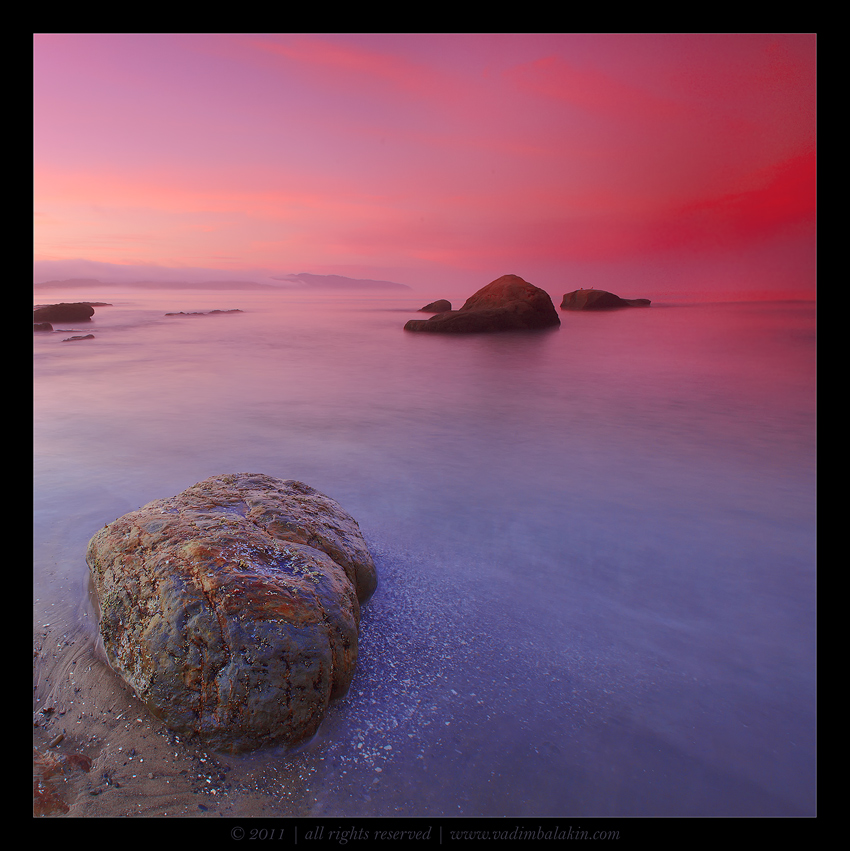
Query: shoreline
{"type": "Point", "coordinates": [115, 759]}
{"type": "Point", "coordinates": [446, 719]}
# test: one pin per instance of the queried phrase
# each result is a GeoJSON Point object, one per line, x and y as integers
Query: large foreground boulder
{"type": "Point", "coordinates": [233, 608]}
{"type": "Point", "coordinates": [599, 300]}
{"type": "Point", "coordinates": [506, 304]}
{"type": "Point", "coordinates": [64, 312]}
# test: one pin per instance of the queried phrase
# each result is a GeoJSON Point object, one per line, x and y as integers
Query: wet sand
{"type": "Point", "coordinates": [98, 752]}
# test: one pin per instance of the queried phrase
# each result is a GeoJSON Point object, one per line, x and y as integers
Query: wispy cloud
{"type": "Point", "coordinates": [420, 152]}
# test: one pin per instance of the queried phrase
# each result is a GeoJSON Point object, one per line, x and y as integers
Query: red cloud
{"type": "Point", "coordinates": [785, 195]}
{"type": "Point", "coordinates": [590, 90]}
{"type": "Point", "coordinates": [343, 64]}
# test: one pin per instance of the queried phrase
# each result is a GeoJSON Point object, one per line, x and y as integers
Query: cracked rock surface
{"type": "Point", "coordinates": [232, 609]}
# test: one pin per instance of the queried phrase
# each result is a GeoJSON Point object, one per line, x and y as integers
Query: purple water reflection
{"type": "Point", "coordinates": [595, 544]}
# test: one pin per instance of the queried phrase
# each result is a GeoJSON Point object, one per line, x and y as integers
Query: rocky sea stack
{"type": "Point", "coordinates": [233, 608]}
{"type": "Point", "coordinates": [599, 300]}
{"type": "Point", "coordinates": [509, 303]}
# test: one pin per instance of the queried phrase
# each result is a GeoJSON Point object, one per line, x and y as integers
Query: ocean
{"type": "Point", "coordinates": [595, 544]}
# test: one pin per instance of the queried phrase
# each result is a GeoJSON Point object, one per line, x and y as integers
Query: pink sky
{"type": "Point", "coordinates": [662, 162]}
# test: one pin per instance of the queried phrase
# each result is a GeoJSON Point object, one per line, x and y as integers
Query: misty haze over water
{"type": "Point", "coordinates": [595, 545]}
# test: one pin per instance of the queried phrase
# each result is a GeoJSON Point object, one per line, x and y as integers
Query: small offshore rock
{"type": "Point", "coordinates": [441, 305]}
{"type": "Point", "coordinates": [71, 339]}
{"type": "Point", "coordinates": [233, 608]}
{"type": "Point", "coordinates": [203, 312]}
{"type": "Point", "coordinates": [42, 326]}
{"type": "Point", "coordinates": [599, 300]}
{"type": "Point", "coordinates": [63, 312]}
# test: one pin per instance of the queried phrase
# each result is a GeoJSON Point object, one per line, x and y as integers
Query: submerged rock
{"type": "Point", "coordinates": [506, 304]}
{"type": "Point", "coordinates": [71, 339]}
{"type": "Point", "coordinates": [599, 300]}
{"type": "Point", "coordinates": [441, 305]}
{"type": "Point", "coordinates": [64, 312]}
{"type": "Point", "coordinates": [203, 312]}
{"type": "Point", "coordinates": [233, 608]}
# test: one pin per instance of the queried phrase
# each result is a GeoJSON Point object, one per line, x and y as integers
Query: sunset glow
{"type": "Point", "coordinates": [561, 158]}
{"type": "Point", "coordinates": [516, 331]}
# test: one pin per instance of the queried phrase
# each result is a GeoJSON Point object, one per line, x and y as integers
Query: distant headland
{"type": "Point", "coordinates": [339, 282]}
{"type": "Point", "coordinates": [154, 285]}
{"type": "Point", "coordinates": [301, 281]}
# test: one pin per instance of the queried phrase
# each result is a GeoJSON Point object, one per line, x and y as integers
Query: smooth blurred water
{"type": "Point", "coordinates": [596, 544]}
